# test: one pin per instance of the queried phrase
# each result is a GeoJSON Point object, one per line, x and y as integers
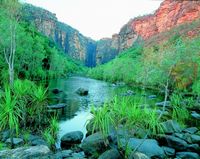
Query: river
{"type": "Point", "coordinates": [77, 112]}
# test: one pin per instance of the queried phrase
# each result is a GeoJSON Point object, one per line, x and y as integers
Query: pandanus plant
{"type": "Point", "coordinates": [39, 104]}
{"type": "Point", "coordinates": [10, 113]}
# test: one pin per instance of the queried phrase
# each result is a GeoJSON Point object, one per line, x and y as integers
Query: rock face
{"type": "Point", "coordinates": [69, 39]}
{"type": "Point", "coordinates": [107, 49]}
{"type": "Point", "coordinates": [169, 15]}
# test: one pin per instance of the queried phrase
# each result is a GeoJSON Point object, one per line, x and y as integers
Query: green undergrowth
{"type": "Point", "coordinates": [24, 107]}
{"type": "Point", "coordinates": [50, 134]}
{"type": "Point", "coordinates": [137, 115]}
{"type": "Point", "coordinates": [129, 112]}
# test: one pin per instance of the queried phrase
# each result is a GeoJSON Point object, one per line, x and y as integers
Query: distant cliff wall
{"type": "Point", "coordinates": [170, 14]}
{"type": "Point", "coordinates": [69, 39]}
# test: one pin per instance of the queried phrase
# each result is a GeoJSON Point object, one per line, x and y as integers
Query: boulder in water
{"type": "Point", "coordinates": [71, 138]}
{"type": "Point", "coordinates": [56, 91]}
{"type": "Point", "coordinates": [82, 91]}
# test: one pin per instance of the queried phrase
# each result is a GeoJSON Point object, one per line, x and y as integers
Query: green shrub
{"type": "Point", "coordinates": [102, 120]}
{"type": "Point", "coordinates": [38, 107]}
{"type": "Point", "coordinates": [10, 113]}
{"type": "Point", "coordinates": [127, 112]}
{"type": "Point", "coordinates": [176, 100]}
{"type": "Point", "coordinates": [51, 133]}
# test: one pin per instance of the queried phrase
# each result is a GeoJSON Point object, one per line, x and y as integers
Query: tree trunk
{"type": "Point", "coordinates": [11, 76]}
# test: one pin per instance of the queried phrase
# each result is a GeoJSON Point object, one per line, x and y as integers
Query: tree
{"type": "Point", "coordinates": [9, 19]}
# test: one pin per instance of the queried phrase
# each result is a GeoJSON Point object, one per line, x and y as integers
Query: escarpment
{"type": "Point", "coordinates": [70, 40]}
{"type": "Point", "coordinates": [169, 15]}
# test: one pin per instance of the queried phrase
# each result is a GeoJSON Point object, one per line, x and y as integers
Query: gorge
{"type": "Point", "coordinates": [169, 15]}
{"type": "Point", "coordinates": [134, 95]}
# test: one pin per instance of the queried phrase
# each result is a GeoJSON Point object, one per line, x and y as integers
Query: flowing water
{"type": "Point", "coordinates": [77, 112]}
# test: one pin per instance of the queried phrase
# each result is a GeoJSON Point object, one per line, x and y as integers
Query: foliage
{"type": "Point", "coordinates": [196, 87]}
{"type": "Point", "coordinates": [9, 18]}
{"type": "Point", "coordinates": [180, 114]}
{"type": "Point", "coordinates": [127, 112]}
{"type": "Point", "coordinates": [175, 61]}
{"type": "Point", "coordinates": [26, 55]}
{"type": "Point", "coordinates": [1, 146]}
{"type": "Point", "coordinates": [102, 120]}
{"type": "Point", "coordinates": [176, 99]}
{"type": "Point", "coordinates": [38, 105]}
{"type": "Point", "coordinates": [122, 68]}
{"type": "Point", "coordinates": [26, 135]}
{"type": "Point", "coordinates": [10, 113]}
{"type": "Point", "coordinates": [179, 111]}
{"type": "Point", "coordinates": [39, 52]}
{"type": "Point", "coordinates": [50, 133]}
{"type": "Point", "coordinates": [36, 56]}
{"type": "Point", "coordinates": [23, 106]}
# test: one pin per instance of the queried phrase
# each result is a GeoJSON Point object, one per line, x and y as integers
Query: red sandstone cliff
{"type": "Point", "coordinates": [170, 14]}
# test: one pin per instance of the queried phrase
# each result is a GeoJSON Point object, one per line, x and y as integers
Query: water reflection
{"type": "Point", "coordinates": [77, 112]}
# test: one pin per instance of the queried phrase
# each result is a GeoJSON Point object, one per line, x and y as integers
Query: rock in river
{"type": "Point", "coordinates": [71, 138]}
{"type": "Point", "coordinates": [82, 91]}
{"type": "Point", "coordinates": [56, 91]}
{"type": "Point", "coordinates": [57, 106]}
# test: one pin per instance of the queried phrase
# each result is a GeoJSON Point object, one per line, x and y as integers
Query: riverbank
{"type": "Point", "coordinates": [120, 117]}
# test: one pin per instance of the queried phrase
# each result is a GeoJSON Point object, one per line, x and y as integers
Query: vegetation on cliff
{"type": "Point", "coordinates": [36, 57]}
{"type": "Point", "coordinates": [175, 60]}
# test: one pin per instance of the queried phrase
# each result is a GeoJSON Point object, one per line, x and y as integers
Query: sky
{"type": "Point", "coordinates": [97, 18]}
